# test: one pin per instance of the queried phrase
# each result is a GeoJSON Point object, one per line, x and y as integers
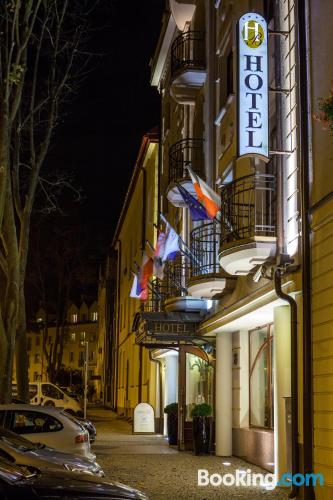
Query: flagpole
{"type": "Point", "coordinates": [189, 254]}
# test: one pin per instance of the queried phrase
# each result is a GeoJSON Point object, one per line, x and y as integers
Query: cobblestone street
{"type": "Point", "coordinates": [149, 464]}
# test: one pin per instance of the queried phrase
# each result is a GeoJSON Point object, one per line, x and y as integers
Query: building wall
{"type": "Point", "coordinates": [135, 372]}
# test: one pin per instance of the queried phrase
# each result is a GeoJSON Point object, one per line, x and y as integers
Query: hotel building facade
{"type": "Point", "coordinates": [243, 317]}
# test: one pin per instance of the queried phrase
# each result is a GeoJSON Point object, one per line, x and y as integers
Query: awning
{"type": "Point", "coordinates": [160, 329]}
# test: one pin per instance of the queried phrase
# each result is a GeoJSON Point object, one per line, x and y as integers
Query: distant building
{"type": "Point", "coordinates": [80, 328]}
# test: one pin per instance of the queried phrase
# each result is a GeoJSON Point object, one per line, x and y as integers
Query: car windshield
{"type": "Point", "coordinates": [17, 442]}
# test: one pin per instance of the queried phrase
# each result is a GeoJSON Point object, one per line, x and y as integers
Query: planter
{"type": "Point", "coordinates": [201, 434]}
{"type": "Point", "coordinates": [172, 422]}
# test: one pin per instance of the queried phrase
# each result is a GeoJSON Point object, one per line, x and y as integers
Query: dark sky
{"type": "Point", "coordinates": [101, 134]}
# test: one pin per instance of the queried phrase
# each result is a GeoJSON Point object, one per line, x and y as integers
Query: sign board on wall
{"type": "Point", "coordinates": [144, 419]}
{"type": "Point", "coordinates": [252, 95]}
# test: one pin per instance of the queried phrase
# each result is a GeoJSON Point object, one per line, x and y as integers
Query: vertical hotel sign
{"type": "Point", "coordinates": [252, 87]}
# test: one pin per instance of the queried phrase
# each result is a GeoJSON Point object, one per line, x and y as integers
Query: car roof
{"type": "Point", "coordinates": [43, 409]}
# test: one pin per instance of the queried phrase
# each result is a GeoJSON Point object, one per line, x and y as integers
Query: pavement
{"type": "Point", "coordinates": [148, 463]}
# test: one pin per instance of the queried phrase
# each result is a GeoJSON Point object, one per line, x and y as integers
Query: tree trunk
{"type": "Point", "coordinates": [22, 376]}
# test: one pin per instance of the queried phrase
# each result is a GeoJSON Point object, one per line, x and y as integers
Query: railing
{"type": "Point", "coordinates": [188, 52]}
{"type": "Point", "coordinates": [205, 244]}
{"type": "Point", "coordinates": [183, 153]}
{"type": "Point", "coordinates": [177, 274]}
{"type": "Point", "coordinates": [248, 208]}
{"type": "Point", "coordinates": [157, 296]}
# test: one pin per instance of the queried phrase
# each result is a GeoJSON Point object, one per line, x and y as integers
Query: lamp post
{"type": "Point", "coordinates": [86, 380]}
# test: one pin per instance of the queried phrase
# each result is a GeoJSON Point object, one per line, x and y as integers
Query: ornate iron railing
{"type": "Point", "coordinates": [248, 208]}
{"type": "Point", "coordinates": [183, 153]}
{"type": "Point", "coordinates": [157, 296]}
{"type": "Point", "coordinates": [188, 52]}
{"type": "Point", "coordinates": [205, 245]}
{"type": "Point", "coordinates": [177, 274]}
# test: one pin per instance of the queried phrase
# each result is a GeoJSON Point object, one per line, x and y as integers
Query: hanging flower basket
{"type": "Point", "coordinates": [325, 117]}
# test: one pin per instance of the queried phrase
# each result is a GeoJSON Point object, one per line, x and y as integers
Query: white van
{"type": "Point", "coordinates": [48, 394]}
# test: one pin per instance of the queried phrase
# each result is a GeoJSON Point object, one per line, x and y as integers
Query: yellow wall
{"type": "Point", "coordinates": [130, 236]}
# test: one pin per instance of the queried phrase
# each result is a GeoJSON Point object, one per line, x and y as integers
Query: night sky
{"type": "Point", "coordinates": [101, 133]}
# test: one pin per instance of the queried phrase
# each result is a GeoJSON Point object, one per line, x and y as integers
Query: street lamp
{"type": "Point", "coordinates": [85, 380]}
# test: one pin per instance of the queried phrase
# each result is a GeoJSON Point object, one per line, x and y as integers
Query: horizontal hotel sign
{"type": "Point", "coordinates": [155, 329]}
{"type": "Point", "coordinates": [252, 95]}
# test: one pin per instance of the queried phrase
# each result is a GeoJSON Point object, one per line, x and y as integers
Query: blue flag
{"type": "Point", "coordinates": [197, 211]}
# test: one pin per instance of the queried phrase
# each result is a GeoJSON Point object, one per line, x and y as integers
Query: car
{"type": "Point", "coordinates": [87, 424]}
{"type": "Point", "coordinates": [30, 483]}
{"type": "Point", "coordinates": [20, 450]}
{"type": "Point", "coordinates": [47, 425]}
{"type": "Point", "coordinates": [48, 394]}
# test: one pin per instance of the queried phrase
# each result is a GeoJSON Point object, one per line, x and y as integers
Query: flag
{"type": "Point", "coordinates": [144, 275]}
{"type": "Point", "coordinates": [158, 266]}
{"type": "Point", "coordinates": [206, 195]}
{"type": "Point", "coordinates": [136, 290]}
{"type": "Point", "coordinates": [197, 211]}
{"type": "Point", "coordinates": [171, 244]}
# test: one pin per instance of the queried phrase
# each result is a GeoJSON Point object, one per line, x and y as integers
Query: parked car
{"type": "Point", "coordinates": [19, 450]}
{"type": "Point", "coordinates": [87, 424]}
{"type": "Point", "coordinates": [30, 483]}
{"type": "Point", "coordinates": [47, 425]}
{"type": "Point", "coordinates": [48, 394]}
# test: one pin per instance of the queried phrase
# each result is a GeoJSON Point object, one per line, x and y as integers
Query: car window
{"type": "Point", "coordinates": [50, 391]}
{"type": "Point", "coordinates": [33, 422]}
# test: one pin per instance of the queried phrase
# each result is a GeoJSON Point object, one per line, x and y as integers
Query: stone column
{"type": "Point", "coordinates": [223, 394]}
{"type": "Point", "coordinates": [282, 386]}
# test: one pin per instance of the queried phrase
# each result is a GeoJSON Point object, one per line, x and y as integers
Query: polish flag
{"type": "Point", "coordinates": [206, 195]}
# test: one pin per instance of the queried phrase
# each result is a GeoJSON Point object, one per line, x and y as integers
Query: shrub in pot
{"type": "Point", "coordinates": [201, 415]}
{"type": "Point", "coordinates": [172, 420]}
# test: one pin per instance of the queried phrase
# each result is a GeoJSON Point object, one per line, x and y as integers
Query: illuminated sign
{"type": "Point", "coordinates": [252, 87]}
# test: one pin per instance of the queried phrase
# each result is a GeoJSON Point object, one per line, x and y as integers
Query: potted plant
{"type": "Point", "coordinates": [172, 421]}
{"type": "Point", "coordinates": [201, 414]}
{"type": "Point", "coordinates": [325, 117]}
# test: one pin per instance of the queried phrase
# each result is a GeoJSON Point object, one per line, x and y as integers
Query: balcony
{"type": "Point", "coordinates": [177, 299]}
{"type": "Point", "coordinates": [183, 153]}
{"type": "Point", "coordinates": [157, 296]}
{"type": "Point", "coordinates": [188, 66]}
{"type": "Point", "coordinates": [182, 12]}
{"type": "Point", "coordinates": [248, 229]}
{"type": "Point", "coordinates": [207, 278]}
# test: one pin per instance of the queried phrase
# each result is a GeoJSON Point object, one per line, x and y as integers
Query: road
{"type": "Point", "coordinates": [149, 464]}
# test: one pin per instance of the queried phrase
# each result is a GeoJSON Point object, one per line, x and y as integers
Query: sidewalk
{"type": "Point", "coordinates": [149, 464]}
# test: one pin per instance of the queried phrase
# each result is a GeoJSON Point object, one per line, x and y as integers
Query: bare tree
{"type": "Point", "coordinates": [42, 60]}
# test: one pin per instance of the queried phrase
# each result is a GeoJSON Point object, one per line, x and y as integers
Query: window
{"type": "Point", "coordinates": [34, 422]}
{"type": "Point", "coordinates": [84, 317]}
{"type": "Point", "coordinates": [199, 383]}
{"type": "Point", "coordinates": [72, 337]}
{"type": "Point", "coordinates": [37, 358]}
{"type": "Point", "coordinates": [94, 316]}
{"type": "Point", "coordinates": [261, 377]}
{"type": "Point", "coordinates": [82, 338]}
{"type": "Point", "coordinates": [74, 318]}
{"type": "Point", "coordinates": [81, 358]}
{"type": "Point", "coordinates": [50, 391]}
{"type": "Point", "coordinates": [71, 357]}
{"type": "Point", "coordinates": [92, 337]}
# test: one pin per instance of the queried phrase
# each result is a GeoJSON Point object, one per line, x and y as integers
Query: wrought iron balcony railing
{"type": "Point", "coordinates": [157, 296]}
{"type": "Point", "coordinates": [183, 153]}
{"type": "Point", "coordinates": [188, 52]}
{"type": "Point", "coordinates": [205, 244]}
{"type": "Point", "coordinates": [248, 208]}
{"type": "Point", "coordinates": [177, 273]}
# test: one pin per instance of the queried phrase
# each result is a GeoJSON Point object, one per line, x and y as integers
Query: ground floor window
{"type": "Point", "coordinates": [261, 377]}
{"type": "Point", "coordinates": [199, 382]}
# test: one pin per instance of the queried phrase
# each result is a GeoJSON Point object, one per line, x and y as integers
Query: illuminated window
{"type": "Point", "coordinates": [74, 318]}
{"type": "Point", "coordinates": [82, 338]}
{"type": "Point", "coordinates": [261, 377]}
{"type": "Point", "coordinates": [72, 337]}
{"type": "Point", "coordinates": [94, 316]}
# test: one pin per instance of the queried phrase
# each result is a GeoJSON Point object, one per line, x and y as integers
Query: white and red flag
{"type": "Point", "coordinates": [206, 195]}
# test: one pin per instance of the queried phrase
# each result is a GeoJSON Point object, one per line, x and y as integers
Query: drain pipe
{"type": "Point", "coordinates": [294, 376]}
